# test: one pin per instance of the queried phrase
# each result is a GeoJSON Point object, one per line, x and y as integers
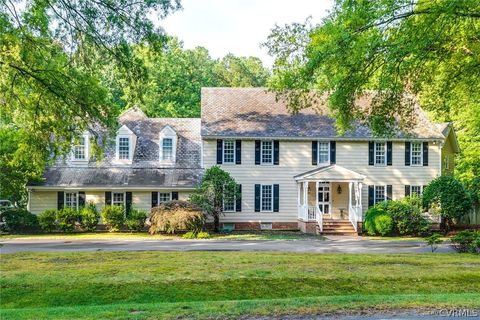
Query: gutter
{"type": "Point", "coordinates": [212, 137]}
{"type": "Point", "coordinates": [101, 188]}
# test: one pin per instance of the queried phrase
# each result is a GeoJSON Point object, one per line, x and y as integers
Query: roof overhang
{"type": "Point", "coordinates": [247, 137]}
{"type": "Point", "coordinates": [450, 131]}
{"type": "Point", "coordinates": [331, 172]}
{"type": "Point", "coordinates": [143, 188]}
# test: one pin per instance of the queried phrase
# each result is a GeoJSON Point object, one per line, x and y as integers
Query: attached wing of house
{"type": "Point", "coordinates": [293, 170]}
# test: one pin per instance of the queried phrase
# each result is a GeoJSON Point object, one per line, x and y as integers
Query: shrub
{"type": "Point", "coordinates": [370, 217]}
{"type": "Point", "coordinates": [136, 219]}
{"type": "Point", "coordinates": [467, 241]}
{"type": "Point", "coordinates": [192, 235]}
{"type": "Point", "coordinates": [113, 217]}
{"type": "Point", "coordinates": [19, 220]}
{"type": "Point", "coordinates": [48, 220]}
{"type": "Point", "coordinates": [189, 235]}
{"type": "Point", "coordinates": [67, 218]}
{"type": "Point", "coordinates": [174, 216]}
{"type": "Point", "coordinates": [407, 216]}
{"type": "Point", "coordinates": [433, 241]}
{"type": "Point", "coordinates": [89, 217]}
{"type": "Point", "coordinates": [383, 224]}
{"type": "Point", "coordinates": [203, 235]}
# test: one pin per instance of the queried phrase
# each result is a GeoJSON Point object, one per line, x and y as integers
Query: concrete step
{"type": "Point", "coordinates": [334, 233]}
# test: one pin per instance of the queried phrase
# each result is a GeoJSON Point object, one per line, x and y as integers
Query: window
{"type": "Point", "coordinates": [417, 190]}
{"type": "Point", "coordinates": [118, 199]}
{"type": "Point", "coordinates": [416, 153]}
{"type": "Point", "coordinates": [164, 197]}
{"type": "Point", "coordinates": [167, 149]}
{"type": "Point", "coordinates": [323, 152]}
{"type": "Point", "coordinates": [123, 148]}
{"type": "Point", "coordinates": [267, 152]}
{"type": "Point", "coordinates": [228, 151]}
{"type": "Point", "coordinates": [266, 198]}
{"type": "Point", "coordinates": [380, 153]}
{"type": "Point", "coordinates": [79, 150]}
{"type": "Point", "coordinates": [229, 204]}
{"type": "Point", "coordinates": [71, 200]}
{"type": "Point", "coordinates": [446, 162]}
{"type": "Point", "coordinates": [379, 194]}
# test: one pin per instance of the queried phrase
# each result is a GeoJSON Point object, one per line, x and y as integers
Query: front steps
{"type": "Point", "coordinates": [337, 227]}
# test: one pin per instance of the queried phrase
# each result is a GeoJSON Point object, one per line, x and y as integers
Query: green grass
{"type": "Point", "coordinates": [236, 235]}
{"type": "Point", "coordinates": [152, 285]}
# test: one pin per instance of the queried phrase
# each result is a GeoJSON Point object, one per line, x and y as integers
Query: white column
{"type": "Point", "coordinates": [316, 195]}
{"type": "Point", "coordinates": [350, 189]}
{"type": "Point", "coordinates": [359, 209]}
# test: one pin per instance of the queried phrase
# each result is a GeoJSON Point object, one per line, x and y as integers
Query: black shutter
{"type": "Point", "coordinates": [389, 192]}
{"type": "Point", "coordinates": [219, 151]}
{"type": "Point", "coordinates": [174, 195]}
{"type": "Point", "coordinates": [60, 200]}
{"type": "Point", "coordinates": [407, 153]}
{"type": "Point", "coordinates": [425, 153]}
{"type": "Point", "coordinates": [238, 199]}
{"type": "Point", "coordinates": [333, 152]}
{"type": "Point", "coordinates": [108, 198]}
{"type": "Point", "coordinates": [314, 152]}
{"type": "Point", "coordinates": [371, 151]}
{"type": "Point", "coordinates": [257, 198]}
{"type": "Point", "coordinates": [276, 152]}
{"type": "Point", "coordinates": [257, 151]}
{"type": "Point", "coordinates": [276, 198]}
{"type": "Point", "coordinates": [128, 202]}
{"type": "Point", "coordinates": [389, 153]}
{"type": "Point", "coordinates": [407, 190]}
{"type": "Point", "coordinates": [371, 193]}
{"type": "Point", "coordinates": [81, 199]}
{"type": "Point", "coordinates": [238, 151]}
{"type": "Point", "coordinates": [154, 199]}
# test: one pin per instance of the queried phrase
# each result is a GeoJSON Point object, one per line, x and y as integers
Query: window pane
{"type": "Point", "coordinates": [79, 149]}
{"type": "Point", "coordinates": [323, 152]}
{"type": "Point", "coordinates": [71, 200]}
{"type": "Point", "coordinates": [167, 149]}
{"type": "Point", "coordinates": [117, 199]}
{"type": "Point", "coordinates": [163, 196]}
{"type": "Point", "coordinates": [380, 153]}
{"type": "Point", "coordinates": [123, 148]}
{"type": "Point", "coordinates": [228, 151]}
{"type": "Point", "coordinates": [379, 194]}
{"type": "Point", "coordinates": [266, 197]}
{"type": "Point", "coordinates": [417, 190]}
{"type": "Point", "coordinates": [229, 204]}
{"type": "Point", "coordinates": [267, 152]}
{"type": "Point", "coordinates": [416, 153]}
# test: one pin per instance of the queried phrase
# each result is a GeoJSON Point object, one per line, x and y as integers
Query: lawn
{"type": "Point", "coordinates": [153, 285]}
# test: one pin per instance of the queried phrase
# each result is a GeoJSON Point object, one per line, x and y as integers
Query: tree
{"type": "Point", "coordinates": [235, 71]}
{"type": "Point", "coordinates": [395, 50]}
{"type": "Point", "coordinates": [449, 196]}
{"type": "Point", "coordinates": [217, 187]}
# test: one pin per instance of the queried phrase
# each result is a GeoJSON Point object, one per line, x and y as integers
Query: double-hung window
{"type": "Point", "coordinates": [79, 150]}
{"type": "Point", "coordinates": [267, 152]}
{"type": "Point", "coordinates": [416, 154]}
{"type": "Point", "coordinates": [118, 199]}
{"type": "Point", "coordinates": [124, 148]}
{"type": "Point", "coordinates": [380, 153]}
{"type": "Point", "coordinates": [229, 203]}
{"type": "Point", "coordinates": [266, 197]}
{"type": "Point", "coordinates": [71, 200]}
{"type": "Point", "coordinates": [379, 194]}
{"type": "Point", "coordinates": [228, 151]}
{"type": "Point", "coordinates": [323, 152]}
{"type": "Point", "coordinates": [164, 197]}
{"type": "Point", "coordinates": [417, 190]}
{"type": "Point", "coordinates": [167, 149]}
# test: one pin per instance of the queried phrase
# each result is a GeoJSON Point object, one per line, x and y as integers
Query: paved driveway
{"type": "Point", "coordinates": [331, 245]}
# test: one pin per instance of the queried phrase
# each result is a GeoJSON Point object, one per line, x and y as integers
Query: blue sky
{"type": "Point", "coordinates": [238, 26]}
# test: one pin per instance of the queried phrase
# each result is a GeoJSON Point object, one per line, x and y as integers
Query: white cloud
{"type": "Point", "coordinates": [238, 26]}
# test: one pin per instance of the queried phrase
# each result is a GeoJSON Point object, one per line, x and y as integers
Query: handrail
{"type": "Point", "coordinates": [352, 216]}
{"type": "Point", "coordinates": [319, 218]}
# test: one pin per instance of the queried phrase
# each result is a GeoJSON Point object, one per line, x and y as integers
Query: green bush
{"type": "Point", "coordinates": [433, 241]}
{"type": "Point", "coordinates": [67, 219]}
{"type": "Point", "coordinates": [89, 217]}
{"type": "Point", "coordinates": [370, 217]}
{"type": "Point", "coordinates": [174, 216]}
{"type": "Point", "coordinates": [407, 216]}
{"type": "Point", "coordinates": [18, 221]}
{"type": "Point", "coordinates": [383, 224]}
{"type": "Point", "coordinates": [203, 235]}
{"type": "Point", "coordinates": [192, 235]}
{"type": "Point", "coordinates": [113, 217]}
{"type": "Point", "coordinates": [136, 220]}
{"type": "Point", "coordinates": [48, 220]}
{"type": "Point", "coordinates": [467, 241]}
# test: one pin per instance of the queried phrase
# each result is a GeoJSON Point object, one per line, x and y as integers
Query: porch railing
{"type": "Point", "coordinates": [355, 215]}
{"type": "Point", "coordinates": [319, 218]}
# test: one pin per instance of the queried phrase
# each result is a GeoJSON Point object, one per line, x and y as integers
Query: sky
{"type": "Point", "coordinates": [238, 26]}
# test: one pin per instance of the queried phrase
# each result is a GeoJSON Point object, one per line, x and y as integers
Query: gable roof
{"type": "Point", "coordinates": [450, 137]}
{"type": "Point", "coordinates": [331, 172]}
{"type": "Point", "coordinates": [254, 112]}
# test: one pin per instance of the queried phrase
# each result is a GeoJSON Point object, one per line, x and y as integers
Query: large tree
{"type": "Point", "coordinates": [396, 49]}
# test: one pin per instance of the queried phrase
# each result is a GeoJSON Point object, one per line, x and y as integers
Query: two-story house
{"type": "Point", "coordinates": [293, 170]}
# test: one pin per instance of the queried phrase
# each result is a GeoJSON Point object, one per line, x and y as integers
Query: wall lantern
{"type": "Point", "coordinates": [339, 189]}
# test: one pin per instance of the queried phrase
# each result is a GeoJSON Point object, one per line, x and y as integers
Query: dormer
{"type": "Point", "coordinates": [125, 145]}
{"type": "Point", "coordinates": [167, 145]}
{"type": "Point", "coordinates": [81, 149]}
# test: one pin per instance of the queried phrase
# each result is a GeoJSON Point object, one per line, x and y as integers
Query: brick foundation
{"type": "Point", "coordinates": [256, 225]}
{"type": "Point", "coordinates": [307, 226]}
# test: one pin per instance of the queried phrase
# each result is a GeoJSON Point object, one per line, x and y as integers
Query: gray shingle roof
{"type": "Point", "coordinates": [254, 112]}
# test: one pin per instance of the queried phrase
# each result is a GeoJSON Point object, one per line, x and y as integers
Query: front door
{"type": "Point", "coordinates": [324, 197]}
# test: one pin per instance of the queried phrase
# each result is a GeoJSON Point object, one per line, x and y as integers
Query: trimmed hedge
{"type": "Point", "coordinates": [18, 220]}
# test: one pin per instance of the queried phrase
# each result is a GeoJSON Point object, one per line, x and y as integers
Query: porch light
{"type": "Point", "coordinates": [339, 189]}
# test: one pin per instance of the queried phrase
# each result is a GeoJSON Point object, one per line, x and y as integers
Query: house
{"type": "Point", "coordinates": [293, 170]}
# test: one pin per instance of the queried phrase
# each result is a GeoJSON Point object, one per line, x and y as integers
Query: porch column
{"type": "Point", "coordinates": [350, 189]}
{"type": "Point", "coordinates": [359, 203]}
{"type": "Point", "coordinates": [316, 199]}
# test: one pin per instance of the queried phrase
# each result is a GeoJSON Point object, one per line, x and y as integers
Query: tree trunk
{"type": "Point", "coordinates": [216, 222]}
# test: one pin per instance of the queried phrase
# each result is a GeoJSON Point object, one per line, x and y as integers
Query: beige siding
{"type": "Point", "coordinates": [97, 198]}
{"type": "Point", "coordinates": [449, 155]}
{"type": "Point", "coordinates": [42, 200]}
{"type": "Point", "coordinates": [295, 158]}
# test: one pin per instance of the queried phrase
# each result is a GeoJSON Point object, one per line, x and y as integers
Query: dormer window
{"type": "Point", "coordinates": [123, 148]}
{"type": "Point", "coordinates": [167, 152]}
{"type": "Point", "coordinates": [167, 145]}
{"type": "Point", "coordinates": [125, 145]}
{"type": "Point", "coordinates": [80, 148]}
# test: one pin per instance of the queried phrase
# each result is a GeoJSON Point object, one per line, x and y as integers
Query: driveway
{"type": "Point", "coordinates": [330, 245]}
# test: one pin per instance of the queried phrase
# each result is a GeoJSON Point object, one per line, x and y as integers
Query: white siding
{"type": "Point", "coordinates": [295, 158]}
{"type": "Point", "coordinates": [42, 200]}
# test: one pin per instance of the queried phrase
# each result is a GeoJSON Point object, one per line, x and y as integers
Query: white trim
{"type": "Point", "coordinates": [73, 160]}
{"type": "Point", "coordinates": [234, 151]}
{"type": "Point", "coordinates": [309, 139]}
{"type": "Point", "coordinates": [261, 198]}
{"type": "Point", "coordinates": [167, 133]}
{"type": "Point", "coordinates": [318, 153]}
{"type": "Point", "coordinates": [318, 184]}
{"type": "Point", "coordinates": [65, 198]}
{"type": "Point", "coordinates": [158, 196]}
{"type": "Point", "coordinates": [261, 153]}
{"type": "Point", "coordinates": [384, 194]}
{"type": "Point", "coordinates": [106, 188]}
{"type": "Point", "coordinates": [124, 197]}
{"type": "Point", "coordinates": [416, 185]}
{"type": "Point", "coordinates": [421, 153]}
{"type": "Point", "coordinates": [375, 153]}
{"type": "Point", "coordinates": [130, 148]}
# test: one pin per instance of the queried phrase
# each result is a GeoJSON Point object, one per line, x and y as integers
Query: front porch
{"type": "Point", "coordinates": [330, 200]}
